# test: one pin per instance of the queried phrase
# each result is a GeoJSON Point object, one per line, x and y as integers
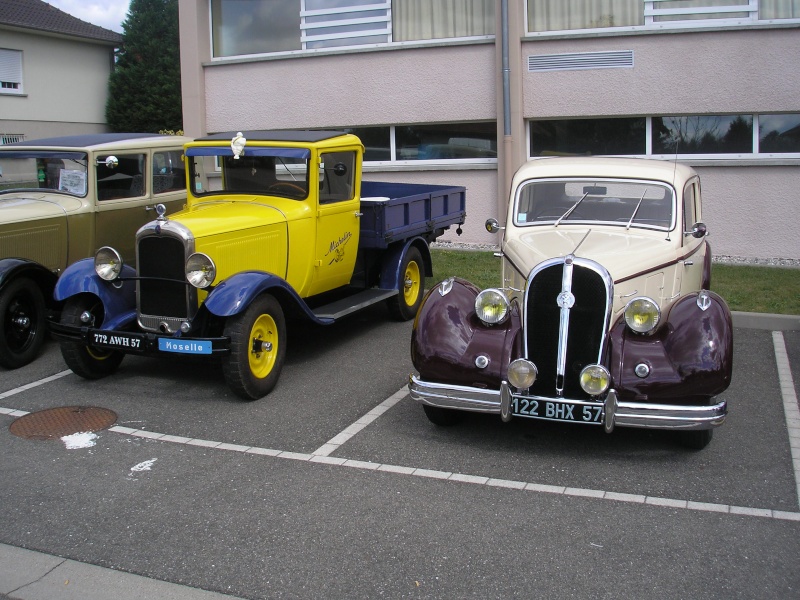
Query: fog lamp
{"type": "Point", "coordinates": [642, 315]}
{"type": "Point", "coordinates": [522, 373]}
{"type": "Point", "coordinates": [200, 270]}
{"type": "Point", "coordinates": [595, 379]}
{"type": "Point", "coordinates": [492, 306]}
{"type": "Point", "coordinates": [107, 263]}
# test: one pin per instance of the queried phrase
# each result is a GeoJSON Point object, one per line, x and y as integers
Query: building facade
{"type": "Point", "coordinates": [54, 71]}
{"type": "Point", "coordinates": [464, 91]}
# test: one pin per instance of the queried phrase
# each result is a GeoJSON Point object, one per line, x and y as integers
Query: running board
{"type": "Point", "coordinates": [345, 306]}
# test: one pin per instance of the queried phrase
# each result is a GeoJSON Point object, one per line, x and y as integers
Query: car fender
{"type": "Point", "coordinates": [393, 259]}
{"type": "Point", "coordinates": [689, 357]}
{"type": "Point", "coordinates": [118, 297]}
{"type": "Point", "coordinates": [11, 268]}
{"type": "Point", "coordinates": [235, 294]}
{"type": "Point", "coordinates": [448, 338]}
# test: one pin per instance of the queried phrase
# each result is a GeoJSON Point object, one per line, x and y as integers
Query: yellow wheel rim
{"type": "Point", "coordinates": [263, 346]}
{"type": "Point", "coordinates": [411, 283]}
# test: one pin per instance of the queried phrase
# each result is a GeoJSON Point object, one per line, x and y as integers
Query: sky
{"type": "Point", "coordinates": [106, 13]}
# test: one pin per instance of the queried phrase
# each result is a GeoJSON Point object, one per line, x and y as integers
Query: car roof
{"type": "Point", "coordinates": [605, 167]}
{"type": "Point", "coordinates": [278, 135]}
{"type": "Point", "coordinates": [95, 140]}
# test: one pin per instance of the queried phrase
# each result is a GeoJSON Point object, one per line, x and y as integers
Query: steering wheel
{"type": "Point", "coordinates": [286, 184]}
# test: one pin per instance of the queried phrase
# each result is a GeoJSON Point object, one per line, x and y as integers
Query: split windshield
{"type": "Point", "coordinates": [44, 170]}
{"type": "Point", "coordinates": [608, 202]}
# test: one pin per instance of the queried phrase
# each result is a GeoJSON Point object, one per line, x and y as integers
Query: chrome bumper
{"type": "Point", "coordinates": [623, 414]}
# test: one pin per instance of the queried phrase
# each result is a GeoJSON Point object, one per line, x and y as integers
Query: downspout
{"type": "Point", "coordinates": [508, 140]}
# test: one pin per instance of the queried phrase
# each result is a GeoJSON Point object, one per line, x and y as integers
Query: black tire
{"type": "Point", "coordinates": [411, 287]}
{"type": "Point", "coordinates": [23, 328]}
{"type": "Point", "coordinates": [697, 439]}
{"type": "Point", "coordinates": [251, 369]}
{"type": "Point", "coordinates": [444, 417]}
{"type": "Point", "coordinates": [89, 363]}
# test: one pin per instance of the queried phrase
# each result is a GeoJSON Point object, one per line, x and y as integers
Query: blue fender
{"type": "Point", "coordinates": [393, 259]}
{"type": "Point", "coordinates": [235, 294]}
{"type": "Point", "coordinates": [118, 298]}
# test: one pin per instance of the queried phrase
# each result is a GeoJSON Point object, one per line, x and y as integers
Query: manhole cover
{"type": "Point", "coordinates": [55, 423]}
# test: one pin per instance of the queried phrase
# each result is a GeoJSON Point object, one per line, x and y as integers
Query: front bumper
{"type": "Point", "coordinates": [615, 413]}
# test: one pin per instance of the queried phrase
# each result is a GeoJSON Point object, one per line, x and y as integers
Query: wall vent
{"type": "Point", "coordinates": [581, 60]}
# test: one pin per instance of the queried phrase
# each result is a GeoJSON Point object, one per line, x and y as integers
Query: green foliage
{"type": "Point", "coordinates": [744, 288]}
{"type": "Point", "coordinates": [145, 86]}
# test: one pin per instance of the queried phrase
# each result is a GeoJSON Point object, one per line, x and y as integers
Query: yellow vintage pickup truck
{"type": "Point", "coordinates": [278, 224]}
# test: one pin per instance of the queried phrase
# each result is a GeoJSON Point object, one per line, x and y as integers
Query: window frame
{"type": "Point", "coordinates": [11, 72]}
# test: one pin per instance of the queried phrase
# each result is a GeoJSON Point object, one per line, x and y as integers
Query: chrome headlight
{"type": "Point", "coordinates": [492, 306]}
{"type": "Point", "coordinates": [107, 263]}
{"type": "Point", "coordinates": [200, 270]}
{"type": "Point", "coordinates": [522, 373]}
{"type": "Point", "coordinates": [642, 315]}
{"type": "Point", "coordinates": [595, 379]}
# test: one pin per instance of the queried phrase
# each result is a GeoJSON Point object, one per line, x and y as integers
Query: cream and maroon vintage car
{"type": "Point", "coordinates": [605, 314]}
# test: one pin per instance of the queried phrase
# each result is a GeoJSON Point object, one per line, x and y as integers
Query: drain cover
{"type": "Point", "coordinates": [55, 423]}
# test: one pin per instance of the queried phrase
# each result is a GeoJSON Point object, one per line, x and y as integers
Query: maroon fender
{"type": "Point", "coordinates": [690, 356]}
{"type": "Point", "coordinates": [448, 338]}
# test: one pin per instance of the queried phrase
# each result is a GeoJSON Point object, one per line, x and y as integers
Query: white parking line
{"type": "Point", "coordinates": [790, 407]}
{"type": "Point", "coordinates": [28, 386]}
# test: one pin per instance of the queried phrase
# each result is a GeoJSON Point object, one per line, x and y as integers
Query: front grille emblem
{"type": "Point", "coordinates": [565, 299]}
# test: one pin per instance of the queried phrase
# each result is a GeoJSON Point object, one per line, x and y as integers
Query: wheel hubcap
{"type": "Point", "coordinates": [264, 346]}
{"type": "Point", "coordinates": [411, 284]}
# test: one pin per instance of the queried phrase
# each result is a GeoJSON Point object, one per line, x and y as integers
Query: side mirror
{"type": "Point", "coordinates": [339, 169]}
{"type": "Point", "coordinates": [492, 226]}
{"type": "Point", "coordinates": [699, 230]}
{"type": "Point", "coordinates": [112, 162]}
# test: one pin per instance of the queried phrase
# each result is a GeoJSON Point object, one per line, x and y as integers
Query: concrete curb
{"type": "Point", "coordinates": [769, 322]}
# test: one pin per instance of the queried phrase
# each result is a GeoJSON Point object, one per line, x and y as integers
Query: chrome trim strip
{"type": "Point", "coordinates": [565, 301]}
{"type": "Point", "coordinates": [616, 413]}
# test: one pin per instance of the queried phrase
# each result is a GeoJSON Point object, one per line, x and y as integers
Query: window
{"type": "Point", "coordinates": [125, 180]}
{"type": "Point", "coordinates": [169, 174]}
{"type": "Point", "coordinates": [242, 27]}
{"type": "Point", "coordinates": [558, 15]}
{"type": "Point", "coordinates": [694, 135]}
{"type": "Point", "coordinates": [10, 71]}
{"type": "Point", "coordinates": [336, 176]}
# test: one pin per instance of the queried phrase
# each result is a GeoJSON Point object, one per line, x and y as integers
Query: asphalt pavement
{"type": "Point", "coordinates": [336, 486]}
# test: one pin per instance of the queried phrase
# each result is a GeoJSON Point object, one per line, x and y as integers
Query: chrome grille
{"type": "Point", "coordinates": [563, 336]}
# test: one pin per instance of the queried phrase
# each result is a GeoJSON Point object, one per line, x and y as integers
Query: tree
{"type": "Point", "coordinates": [145, 85]}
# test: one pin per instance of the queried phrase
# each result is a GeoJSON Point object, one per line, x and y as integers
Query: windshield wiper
{"type": "Point", "coordinates": [569, 212]}
{"type": "Point", "coordinates": [636, 210]}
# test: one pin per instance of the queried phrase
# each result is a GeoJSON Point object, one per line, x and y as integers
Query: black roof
{"type": "Point", "coordinates": [39, 15]}
{"type": "Point", "coordinates": [283, 135]}
{"type": "Point", "coordinates": [83, 140]}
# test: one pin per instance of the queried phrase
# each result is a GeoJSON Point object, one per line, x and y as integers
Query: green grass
{"type": "Point", "coordinates": [745, 288]}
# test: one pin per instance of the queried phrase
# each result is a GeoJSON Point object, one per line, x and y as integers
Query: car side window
{"type": "Point", "coordinates": [169, 174]}
{"type": "Point", "coordinates": [125, 180]}
{"type": "Point", "coordinates": [336, 176]}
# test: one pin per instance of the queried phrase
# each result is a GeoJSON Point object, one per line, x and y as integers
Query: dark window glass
{"type": "Point", "coordinates": [727, 134]}
{"type": "Point", "coordinates": [446, 141]}
{"type": "Point", "coordinates": [588, 136]}
{"type": "Point", "coordinates": [779, 133]}
{"type": "Point", "coordinates": [376, 142]}
{"type": "Point", "coordinates": [255, 26]}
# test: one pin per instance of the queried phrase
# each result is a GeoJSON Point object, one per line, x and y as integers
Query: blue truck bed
{"type": "Point", "coordinates": [397, 211]}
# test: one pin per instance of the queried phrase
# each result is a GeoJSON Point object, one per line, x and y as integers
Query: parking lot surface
{"type": "Point", "coordinates": [336, 485]}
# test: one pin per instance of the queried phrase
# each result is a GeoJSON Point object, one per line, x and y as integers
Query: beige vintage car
{"type": "Point", "coordinates": [604, 317]}
{"type": "Point", "coordinates": [60, 200]}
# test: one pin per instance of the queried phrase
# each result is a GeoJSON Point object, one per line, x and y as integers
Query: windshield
{"type": "Point", "coordinates": [608, 202]}
{"type": "Point", "coordinates": [44, 170]}
{"type": "Point", "coordinates": [262, 171]}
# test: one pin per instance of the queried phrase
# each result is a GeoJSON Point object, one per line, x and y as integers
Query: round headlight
{"type": "Point", "coordinates": [642, 315]}
{"type": "Point", "coordinates": [107, 263]}
{"type": "Point", "coordinates": [595, 379]}
{"type": "Point", "coordinates": [522, 373]}
{"type": "Point", "coordinates": [200, 270]}
{"type": "Point", "coordinates": [492, 306]}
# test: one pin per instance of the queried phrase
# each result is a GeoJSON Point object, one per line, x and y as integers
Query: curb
{"type": "Point", "coordinates": [766, 321]}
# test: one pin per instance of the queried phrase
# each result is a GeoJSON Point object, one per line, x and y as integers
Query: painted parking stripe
{"type": "Point", "coordinates": [790, 407]}
{"type": "Point", "coordinates": [28, 386]}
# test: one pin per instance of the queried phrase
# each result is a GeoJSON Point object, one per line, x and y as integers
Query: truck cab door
{"type": "Point", "coordinates": [338, 222]}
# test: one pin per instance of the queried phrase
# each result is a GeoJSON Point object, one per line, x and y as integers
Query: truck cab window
{"type": "Point", "coordinates": [336, 176]}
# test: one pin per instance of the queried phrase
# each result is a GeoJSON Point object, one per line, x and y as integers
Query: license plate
{"type": "Point", "coordinates": [121, 341]}
{"type": "Point", "coordinates": [180, 346]}
{"type": "Point", "coordinates": [554, 410]}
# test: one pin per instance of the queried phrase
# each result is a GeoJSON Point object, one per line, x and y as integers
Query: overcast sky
{"type": "Point", "coordinates": [105, 13]}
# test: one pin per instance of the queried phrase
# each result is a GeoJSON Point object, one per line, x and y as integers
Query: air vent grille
{"type": "Point", "coordinates": [582, 60]}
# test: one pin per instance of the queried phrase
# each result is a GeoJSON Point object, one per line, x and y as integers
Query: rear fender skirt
{"type": "Point", "coordinates": [118, 298]}
{"type": "Point", "coordinates": [448, 338]}
{"type": "Point", "coordinates": [235, 294]}
{"type": "Point", "coordinates": [690, 356]}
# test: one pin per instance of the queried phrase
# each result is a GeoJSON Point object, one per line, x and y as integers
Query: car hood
{"type": "Point", "coordinates": [32, 205]}
{"type": "Point", "coordinates": [213, 218]}
{"type": "Point", "coordinates": [623, 253]}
